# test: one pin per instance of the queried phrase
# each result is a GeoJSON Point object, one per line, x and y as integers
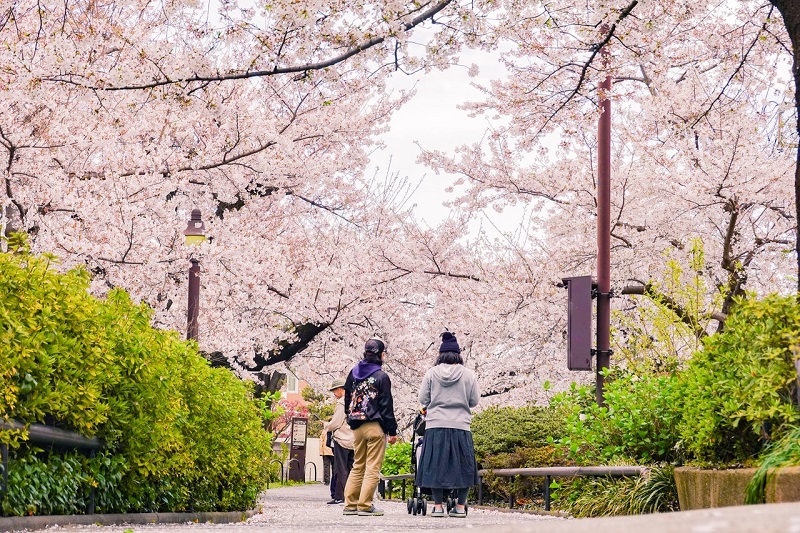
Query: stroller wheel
{"type": "Point", "coordinates": [424, 507]}
{"type": "Point", "coordinates": [414, 505]}
{"type": "Point", "coordinates": [409, 504]}
{"type": "Point", "coordinates": [450, 504]}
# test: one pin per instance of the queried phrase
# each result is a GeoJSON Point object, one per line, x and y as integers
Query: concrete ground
{"type": "Point", "coordinates": [303, 509]}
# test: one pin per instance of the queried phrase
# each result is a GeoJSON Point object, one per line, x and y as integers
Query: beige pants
{"type": "Point", "coordinates": [370, 447]}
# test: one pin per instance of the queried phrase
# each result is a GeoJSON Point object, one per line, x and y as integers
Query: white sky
{"type": "Point", "coordinates": [433, 120]}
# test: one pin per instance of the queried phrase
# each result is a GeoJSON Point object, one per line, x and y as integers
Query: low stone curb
{"type": "Point", "coordinates": [559, 514]}
{"type": "Point", "coordinates": [22, 523]}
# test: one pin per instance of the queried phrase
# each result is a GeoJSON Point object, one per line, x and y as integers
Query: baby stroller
{"type": "Point", "coordinates": [418, 502]}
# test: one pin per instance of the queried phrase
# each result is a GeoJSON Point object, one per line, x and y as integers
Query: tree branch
{"type": "Point", "coordinates": [649, 290]}
{"type": "Point", "coordinates": [352, 51]}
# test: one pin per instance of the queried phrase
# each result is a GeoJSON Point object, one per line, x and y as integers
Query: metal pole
{"type": "Point", "coordinates": [546, 493]}
{"type": "Point", "coordinates": [603, 230]}
{"type": "Point", "coordinates": [4, 452]}
{"type": "Point", "coordinates": [92, 492]}
{"type": "Point", "coordinates": [194, 234]}
{"type": "Point", "coordinates": [193, 307]}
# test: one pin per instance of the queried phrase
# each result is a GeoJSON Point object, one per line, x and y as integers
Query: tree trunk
{"type": "Point", "coordinates": [790, 10]}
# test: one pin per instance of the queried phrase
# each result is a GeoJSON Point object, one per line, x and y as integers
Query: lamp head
{"type": "Point", "coordinates": [195, 231]}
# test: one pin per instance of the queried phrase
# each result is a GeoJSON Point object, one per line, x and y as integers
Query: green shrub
{"type": "Point", "coordinates": [637, 425]}
{"type": "Point", "coordinates": [522, 487]}
{"type": "Point", "coordinates": [607, 496]}
{"type": "Point", "coordinates": [497, 430]}
{"type": "Point", "coordinates": [516, 437]}
{"type": "Point", "coordinates": [179, 434]}
{"type": "Point", "coordinates": [398, 461]}
{"type": "Point", "coordinates": [738, 392]}
{"type": "Point", "coordinates": [51, 483]}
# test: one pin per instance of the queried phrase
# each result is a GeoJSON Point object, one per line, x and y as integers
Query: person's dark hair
{"type": "Point", "coordinates": [372, 358]}
{"type": "Point", "coordinates": [449, 358]}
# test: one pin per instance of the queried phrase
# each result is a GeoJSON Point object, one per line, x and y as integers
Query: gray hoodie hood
{"type": "Point", "coordinates": [447, 375]}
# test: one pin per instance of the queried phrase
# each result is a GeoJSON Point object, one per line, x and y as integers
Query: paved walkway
{"type": "Point", "coordinates": [303, 509]}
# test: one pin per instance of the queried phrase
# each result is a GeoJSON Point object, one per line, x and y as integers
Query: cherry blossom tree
{"type": "Point", "coordinates": [702, 93]}
{"type": "Point", "coordinates": [120, 117]}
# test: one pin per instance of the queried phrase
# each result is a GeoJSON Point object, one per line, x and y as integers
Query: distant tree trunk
{"type": "Point", "coordinates": [790, 10]}
{"type": "Point", "coordinates": [273, 381]}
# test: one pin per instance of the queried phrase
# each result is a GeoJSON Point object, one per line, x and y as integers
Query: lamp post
{"type": "Point", "coordinates": [194, 234]}
{"type": "Point", "coordinates": [603, 228]}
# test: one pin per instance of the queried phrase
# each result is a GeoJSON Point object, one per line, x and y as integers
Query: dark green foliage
{"type": "Point", "coordinates": [179, 435]}
{"type": "Point", "coordinates": [739, 391]}
{"type": "Point", "coordinates": [52, 483]}
{"type": "Point", "coordinates": [499, 430]}
{"type": "Point", "coordinates": [516, 437]}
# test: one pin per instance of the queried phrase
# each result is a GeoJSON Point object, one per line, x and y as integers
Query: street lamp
{"type": "Point", "coordinates": [194, 234]}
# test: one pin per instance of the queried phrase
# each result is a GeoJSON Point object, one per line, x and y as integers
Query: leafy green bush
{"type": "Point", "coordinates": [738, 392]}
{"type": "Point", "coordinates": [51, 483]}
{"type": "Point", "coordinates": [398, 461]}
{"type": "Point", "coordinates": [180, 434]}
{"type": "Point", "coordinates": [638, 425]}
{"type": "Point", "coordinates": [497, 430]}
{"type": "Point", "coordinates": [516, 437]}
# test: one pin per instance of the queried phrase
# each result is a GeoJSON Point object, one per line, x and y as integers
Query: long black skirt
{"type": "Point", "coordinates": [447, 460]}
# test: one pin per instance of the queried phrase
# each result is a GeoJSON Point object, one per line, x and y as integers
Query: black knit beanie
{"type": "Point", "coordinates": [449, 343]}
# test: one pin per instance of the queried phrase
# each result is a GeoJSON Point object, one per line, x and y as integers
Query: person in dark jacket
{"type": "Point", "coordinates": [370, 413]}
{"type": "Point", "coordinates": [448, 393]}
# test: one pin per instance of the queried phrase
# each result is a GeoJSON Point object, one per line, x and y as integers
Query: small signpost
{"type": "Point", "coordinates": [579, 322]}
{"type": "Point", "coordinates": [297, 451]}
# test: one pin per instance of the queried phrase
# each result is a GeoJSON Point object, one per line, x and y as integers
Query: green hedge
{"type": "Point", "coordinates": [740, 392]}
{"type": "Point", "coordinates": [638, 424]}
{"type": "Point", "coordinates": [180, 434]}
{"type": "Point", "coordinates": [498, 430]}
{"type": "Point", "coordinates": [516, 437]}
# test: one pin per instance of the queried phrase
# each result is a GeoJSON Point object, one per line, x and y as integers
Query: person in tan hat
{"type": "Point", "coordinates": [342, 444]}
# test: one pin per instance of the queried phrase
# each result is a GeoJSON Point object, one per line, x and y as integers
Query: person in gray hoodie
{"type": "Point", "coordinates": [448, 393]}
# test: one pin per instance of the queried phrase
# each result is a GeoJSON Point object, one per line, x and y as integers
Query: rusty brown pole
{"type": "Point", "coordinates": [193, 307]}
{"type": "Point", "coordinates": [603, 230]}
{"type": "Point", "coordinates": [194, 234]}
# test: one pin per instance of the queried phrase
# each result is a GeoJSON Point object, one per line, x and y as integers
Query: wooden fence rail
{"type": "Point", "coordinates": [49, 437]}
{"type": "Point", "coordinates": [547, 472]}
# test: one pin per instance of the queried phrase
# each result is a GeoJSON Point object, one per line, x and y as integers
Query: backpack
{"type": "Point", "coordinates": [362, 408]}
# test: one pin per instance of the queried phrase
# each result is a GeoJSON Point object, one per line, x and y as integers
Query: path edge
{"type": "Point", "coordinates": [22, 523]}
